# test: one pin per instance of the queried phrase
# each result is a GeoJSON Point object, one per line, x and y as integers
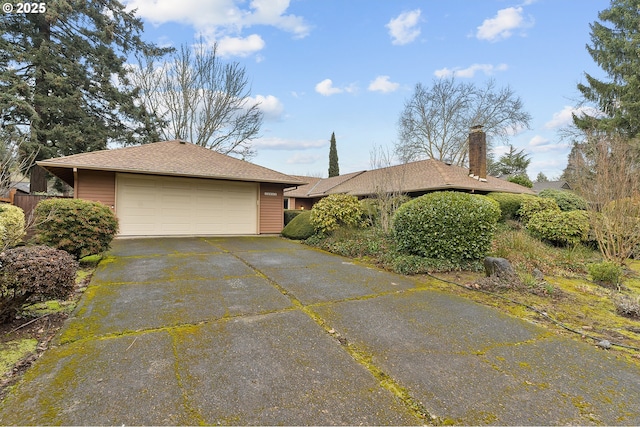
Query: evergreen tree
{"type": "Point", "coordinates": [334, 169]}
{"type": "Point", "coordinates": [541, 177]}
{"type": "Point", "coordinates": [63, 77]}
{"type": "Point", "coordinates": [615, 43]}
{"type": "Point", "coordinates": [512, 163]}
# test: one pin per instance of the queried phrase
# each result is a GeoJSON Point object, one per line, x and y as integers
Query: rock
{"type": "Point", "coordinates": [498, 267]}
{"type": "Point", "coordinates": [537, 274]}
{"type": "Point", "coordinates": [604, 344]}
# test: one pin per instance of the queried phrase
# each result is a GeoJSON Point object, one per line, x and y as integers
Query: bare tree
{"type": "Point", "coordinates": [14, 160]}
{"type": "Point", "coordinates": [435, 121]}
{"type": "Point", "coordinates": [606, 172]}
{"type": "Point", "coordinates": [388, 183]}
{"type": "Point", "coordinates": [200, 99]}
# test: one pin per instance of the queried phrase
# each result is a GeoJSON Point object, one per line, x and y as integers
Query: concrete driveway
{"type": "Point", "coordinates": [260, 330]}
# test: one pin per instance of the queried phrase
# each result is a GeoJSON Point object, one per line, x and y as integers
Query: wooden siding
{"type": "Point", "coordinates": [307, 204]}
{"type": "Point", "coordinates": [271, 208]}
{"type": "Point", "coordinates": [97, 186]}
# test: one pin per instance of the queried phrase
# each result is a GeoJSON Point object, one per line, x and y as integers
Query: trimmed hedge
{"type": "Point", "coordinates": [446, 225]}
{"type": "Point", "coordinates": [521, 180]}
{"type": "Point", "coordinates": [336, 210]}
{"type": "Point", "coordinates": [11, 225]}
{"type": "Point", "coordinates": [77, 226]}
{"type": "Point", "coordinates": [532, 205]}
{"type": "Point", "coordinates": [300, 227]}
{"type": "Point", "coordinates": [34, 273]}
{"type": "Point", "coordinates": [510, 204]}
{"type": "Point", "coordinates": [289, 214]}
{"type": "Point", "coordinates": [566, 200]}
{"type": "Point", "coordinates": [560, 228]}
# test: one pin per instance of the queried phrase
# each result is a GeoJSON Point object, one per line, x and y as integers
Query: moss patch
{"type": "Point", "coordinates": [12, 352]}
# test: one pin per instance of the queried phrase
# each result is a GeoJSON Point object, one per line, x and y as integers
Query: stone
{"type": "Point", "coordinates": [537, 274]}
{"type": "Point", "coordinates": [498, 267]}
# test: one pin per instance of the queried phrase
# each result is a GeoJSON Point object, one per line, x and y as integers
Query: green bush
{"type": "Point", "coordinates": [606, 273]}
{"type": "Point", "coordinates": [300, 227]}
{"type": "Point", "coordinates": [532, 205]}
{"type": "Point", "coordinates": [11, 225]}
{"type": "Point", "coordinates": [521, 180]}
{"type": "Point", "coordinates": [336, 210]}
{"type": "Point", "coordinates": [34, 273]}
{"type": "Point", "coordinates": [77, 226]}
{"type": "Point", "coordinates": [289, 214]}
{"type": "Point", "coordinates": [560, 228]}
{"type": "Point", "coordinates": [566, 200]}
{"type": "Point", "coordinates": [446, 225]}
{"type": "Point", "coordinates": [509, 204]}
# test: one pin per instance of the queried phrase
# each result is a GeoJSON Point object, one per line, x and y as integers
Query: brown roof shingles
{"type": "Point", "coordinates": [174, 158]}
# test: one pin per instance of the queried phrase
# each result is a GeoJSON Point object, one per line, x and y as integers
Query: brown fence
{"type": "Point", "coordinates": [28, 202]}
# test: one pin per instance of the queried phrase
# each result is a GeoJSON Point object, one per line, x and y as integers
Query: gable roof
{"type": "Point", "coordinates": [415, 177]}
{"type": "Point", "coordinates": [319, 187]}
{"type": "Point", "coordinates": [555, 185]}
{"type": "Point", "coordinates": [173, 158]}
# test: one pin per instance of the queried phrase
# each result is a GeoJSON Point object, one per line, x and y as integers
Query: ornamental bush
{"type": "Point", "coordinates": [77, 226]}
{"type": "Point", "coordinates": [336, 210]}
{"type": "Point", "coordinates": [446, 225]}
{"type": "Point", "coordinates": [11, 225]}
{"type": "Point", "coordinates": [289, 214]}
{"type": "Point", "coordinates": [606, 273]}
{"type": "Point", "coordinates": [300, 227]}
{"type": "Point", "coordinates": [29, 274]}
{"type": "Point", "coordinates": [566, 200]}
{"type": "Point", "coordinates": [532, 205]}
{"type": "Point", "coordinates": [560, 228]}
{"type": "Point", "coordinates": [509, 204]}
{"type": "Point", "coordinates": [521, 180]}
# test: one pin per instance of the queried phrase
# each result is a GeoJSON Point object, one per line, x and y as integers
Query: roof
{"type": "Point", "coordinates": [555, 185]}
{"type": "Point", "coordinates": [415, 177]}
{"type": "Point", "coordinates": [172, 158]}
{"type": "Point", "coordinates": [319, 187]}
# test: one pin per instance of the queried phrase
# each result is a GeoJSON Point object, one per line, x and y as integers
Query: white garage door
{"type": "Point", "coordinates": [165, 206]}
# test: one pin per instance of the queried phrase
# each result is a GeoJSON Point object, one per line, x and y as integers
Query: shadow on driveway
{"type": "Point", "coordinates": [261, 330]}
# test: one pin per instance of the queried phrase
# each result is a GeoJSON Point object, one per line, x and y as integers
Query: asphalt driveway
{"type": "Point", "coordinates": [261, 330]}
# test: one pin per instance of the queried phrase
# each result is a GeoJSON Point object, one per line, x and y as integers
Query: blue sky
{"type": "Point", "coordinates": [348, 66]}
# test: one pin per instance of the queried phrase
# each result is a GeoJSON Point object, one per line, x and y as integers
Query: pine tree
{"type": "Point", "coordinates": [63, 77]}
{"type": "Point", "coordinates": [512, 163]}
{"type": "Point", "coordinates": [334, 169]}
{"type": "Point", "coordinates": [614, 48]}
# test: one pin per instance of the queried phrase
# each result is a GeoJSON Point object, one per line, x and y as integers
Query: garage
{"type": "Point", "coordinates": [175, 188]}
{"type": "Point", "coordinates": [168, 206]}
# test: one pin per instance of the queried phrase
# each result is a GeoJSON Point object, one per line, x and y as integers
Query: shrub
{"type": "Point", "coordinates": [446, 225]}
{"type": "Point", "coordinates": [300, 227]}
{"type": "Point", "coordinates": [289, 214]}
{"type": "Point", "coordinates": [34, 273]}
{"type": "Point", "coordinates": [509, 204]}
{"type": "Point", "coordinates": [566, 200]}
{"type": "Point", "coordinates": [627, 305]}
{"type": "Point", "coordinates": [336, 210]}
{"type": "Point", "coordinates": [606, 273]}
{"type": "Point", "coordinates": [11, 225]}
{"type": "Point", "coordinates": [77, 226]}
{"type": "Point", "coordinates": [560, 228]}
{"type": "Point", "coordinates": [532, 205]}
{"type": "Point", "coordinates": [521, 180]}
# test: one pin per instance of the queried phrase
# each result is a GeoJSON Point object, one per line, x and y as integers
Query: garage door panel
{"type": "Point", "coordinates": [185, 206]}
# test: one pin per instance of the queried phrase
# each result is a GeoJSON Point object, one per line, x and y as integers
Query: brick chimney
{"type": "Point", "coordinates": [478, 153]}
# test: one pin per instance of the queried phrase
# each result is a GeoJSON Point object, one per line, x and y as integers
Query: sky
{"type": "Point", "coordinates": [349, 66]}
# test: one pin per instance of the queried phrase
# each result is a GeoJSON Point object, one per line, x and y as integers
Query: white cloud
{"type": "Point", "coordinates": [274, 143]}
{"type": "Point", "coordinates": [270, 106]}
{"type": "Point", "coordinates": [326, 88]}
{"type": "Point", "coordinates": [224, 20]}
{"type": "Point", "coordinates": [238, 46]}
{"type": "Point", "coordinates": [383, 84]}
{"type": "Point", "coordinates": [303, 159]}
{"type": "Point", "coordinates": [404, 29]}
{"type": "Point", "coordinates": [540, 144]}
{"type": "Point", "coordinates": [564, 117]}
{"type": "Point", "coordinates": [470, 72]}
{"type": "Point", "coordinates": [503, 24]}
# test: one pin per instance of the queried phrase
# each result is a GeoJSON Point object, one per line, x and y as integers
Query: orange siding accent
{"type": "Point", "coordinates": [98, 186]}
{"type": "Point", "coordinates": [271, 208]}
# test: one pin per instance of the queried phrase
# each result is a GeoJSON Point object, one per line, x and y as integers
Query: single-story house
{"type": "Point", "coordinates": [174, 188]}
{"type": "Point", "coordinates": [305, 196]}
{"type": "Point", "coordinates": [554, 185]}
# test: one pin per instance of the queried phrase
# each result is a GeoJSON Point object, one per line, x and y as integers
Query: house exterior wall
{"type": "Point", "coordinates": [271, 208]}
{"type": "Point", "coordinates": [97, 186]}
{"type": "Point", "coordinates": [305, 204]}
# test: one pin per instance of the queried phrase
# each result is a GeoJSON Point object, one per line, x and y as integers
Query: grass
{"type": "Point", "coordinates": [565, 292]}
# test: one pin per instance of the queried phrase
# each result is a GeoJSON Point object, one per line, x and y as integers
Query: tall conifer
{"type": "Point", "coordinates": [334, 169]}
